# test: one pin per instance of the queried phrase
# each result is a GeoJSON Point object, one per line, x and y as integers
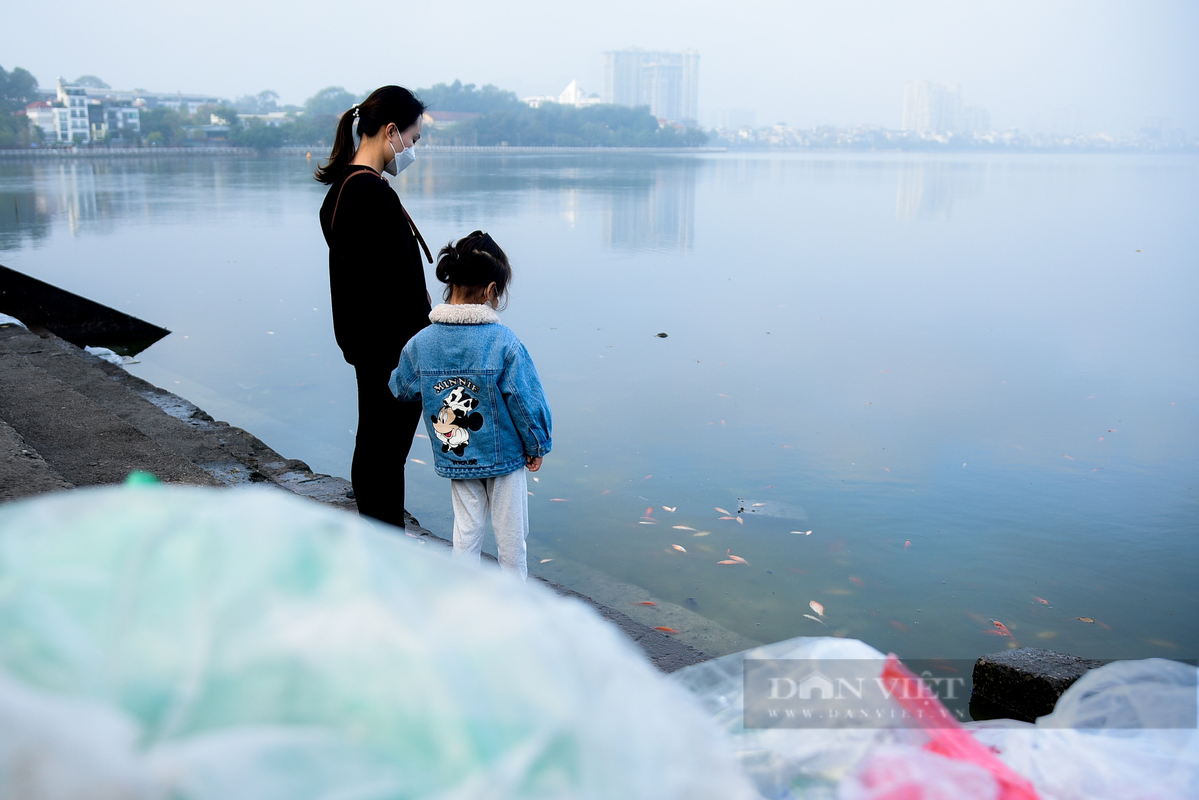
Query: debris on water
{"type": "Point", "coordinates": [770, 508]}
{"type": "Point", "coordinates": [661, 335]}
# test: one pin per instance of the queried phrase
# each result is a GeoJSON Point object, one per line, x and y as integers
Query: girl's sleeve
{"type": "Point", "coordinates": [405, 379]}
{"type": "Point", "coordinates": [521, 389]}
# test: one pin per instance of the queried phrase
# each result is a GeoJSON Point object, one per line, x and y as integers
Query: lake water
{"type": "Point", "coordinates": [973, 379]}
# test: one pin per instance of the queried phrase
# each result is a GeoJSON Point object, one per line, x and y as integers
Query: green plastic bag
{"type": "Point", "coordinates": [170, 642]}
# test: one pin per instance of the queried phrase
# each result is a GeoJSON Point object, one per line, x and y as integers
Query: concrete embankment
{"type": "Point", "coordinates": [70, 419]}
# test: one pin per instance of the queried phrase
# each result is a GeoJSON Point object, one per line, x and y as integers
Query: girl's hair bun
{"type": "Point", "coordinates": [473, 263]}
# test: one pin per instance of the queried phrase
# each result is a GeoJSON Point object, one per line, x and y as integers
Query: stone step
{"type": "Point", "coordinates": [226, 453]}
{"type": "Point", "coordinates": [23, 471]}
{"type": "Point", "coordinates": [79, 440]}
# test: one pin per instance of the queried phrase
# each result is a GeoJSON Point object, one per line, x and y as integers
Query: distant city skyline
{"type": "Point", "coordinates": [1034, 66]}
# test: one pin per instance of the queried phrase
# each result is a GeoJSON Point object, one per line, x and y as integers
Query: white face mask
{"type": "Point", "coordinates": [401, 159]}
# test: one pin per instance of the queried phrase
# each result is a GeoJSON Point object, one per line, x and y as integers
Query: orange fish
{"type": "Point", "coordinates": [646, 603]}
{"type": "Point", "coordinates": [1040, 600]}
{"type": "Point", "coordinates": [730, 561]}
{"type": "Point", "coordinates": [858, 581]}
{"type": "Point", "coordinates": [669, 508]}
{"type": "Point", "coordinates": [1086, 619]}
{"type": "Point", "coordinates": [721, 510]}
{"type": "Point", "coordinates": [899, 626]}
{"type": "Point", "coordinates": [907, 544]}
{"type": "Point", "coordinates": [605, 491]}
{"type": "Point", "coordinates": [740, 521]}
{"type": "Point", "coordinates": [559, 500]}
{"type": "Point", "coordinates": [546, 560]}
{"type": "Point", "coordinates": [809, 616]}
{"type": "Point", "coordinates": [1002, 628]}
{"type": "Point", "coordinates": [1066, 456]}
{"type": "Point", "coordinates": [817, 607]}
{"type": "Point", "coordinates": [728, 518]}
{"type": "Point", "coordinates": [679, 547]}
{"type": "Point", "coordinates": [664, 629]}
{"type": "Point", "coordinates": [649, 512]}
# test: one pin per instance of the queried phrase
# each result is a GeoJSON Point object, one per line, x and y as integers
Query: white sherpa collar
{"type": "Point", "coordinates": [464, 314]}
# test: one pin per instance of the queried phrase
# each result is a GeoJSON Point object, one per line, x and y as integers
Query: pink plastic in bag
{"type": "Point", "coordinates": [946, 736]}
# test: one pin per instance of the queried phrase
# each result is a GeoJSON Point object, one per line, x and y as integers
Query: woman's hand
{"type": "Point", "coordinates": [533, 463]}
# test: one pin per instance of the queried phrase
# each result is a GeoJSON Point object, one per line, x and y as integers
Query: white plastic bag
{"type": "Point", "coordinates": [1121, 732]}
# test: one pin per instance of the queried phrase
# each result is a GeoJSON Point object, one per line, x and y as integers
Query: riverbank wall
{"type": "Point", "coordinates": [72, 419]}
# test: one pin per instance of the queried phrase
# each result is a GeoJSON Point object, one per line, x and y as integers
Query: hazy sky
{"type": "Point", "coordinates": [805, 62]}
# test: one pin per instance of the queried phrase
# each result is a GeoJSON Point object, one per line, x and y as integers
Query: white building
{"type": "Point", "coordinates": [666, 82]}
{"type": "Point", "coordinates": [73, 99]}
{"type": "Point", "coordinates": [572, 95]}
{"type": "Point", "coordinates": [933, 109]}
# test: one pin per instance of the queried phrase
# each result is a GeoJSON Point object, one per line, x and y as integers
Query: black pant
{"type": "Point", "coordinates": [385, 430]}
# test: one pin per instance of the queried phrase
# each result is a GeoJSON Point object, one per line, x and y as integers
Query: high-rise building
{"type": "Point", "coordinates": [666, 82]}
{"type": "Point", "coordinates": [933, 108]}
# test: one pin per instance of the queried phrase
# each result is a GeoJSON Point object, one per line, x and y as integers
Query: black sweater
{"type": "Point", "coordinates": [376, 278]}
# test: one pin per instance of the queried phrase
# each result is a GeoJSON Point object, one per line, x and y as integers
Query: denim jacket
{"type": "Point", "coordinates": [483, 403]}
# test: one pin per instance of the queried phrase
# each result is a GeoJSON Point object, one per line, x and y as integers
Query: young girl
{"type": "Point", "coordinates": [484, 407]}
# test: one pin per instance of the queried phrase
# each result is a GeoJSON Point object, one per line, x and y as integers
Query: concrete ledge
{"type": "Point", "coordinates": [1026, 682]}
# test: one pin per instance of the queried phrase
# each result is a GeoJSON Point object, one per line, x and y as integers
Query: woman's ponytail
{"type": "Point", "coordinates": [343, 150]}
{"type": "Point", "coordinates": [386, 104]}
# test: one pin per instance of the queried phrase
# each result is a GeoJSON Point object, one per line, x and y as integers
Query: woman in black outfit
{"type": "Point", "coordinates": [377, 283]}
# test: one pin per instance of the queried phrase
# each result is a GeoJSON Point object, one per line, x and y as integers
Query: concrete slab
{"type": "Point", "coordinates": [82, 442]}
{"type": "Point", "coordinates": [1026, 682]}
{"type": "Point", "coordinates": [23, 471]}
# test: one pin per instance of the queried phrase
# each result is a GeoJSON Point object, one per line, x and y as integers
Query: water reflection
{"type": "Point", "coordinates": [658, 215]}
{"type": "Point", "coordinates": [645, 202]}
{"type": "Point", "coordinates": [928, 189]}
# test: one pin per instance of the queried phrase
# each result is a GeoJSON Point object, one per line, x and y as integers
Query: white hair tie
{"type": "Point", "coordinates": [357, 137]}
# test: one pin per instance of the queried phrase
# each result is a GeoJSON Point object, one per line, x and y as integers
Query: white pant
{"type": "Point", "coordinates": [508, 499]}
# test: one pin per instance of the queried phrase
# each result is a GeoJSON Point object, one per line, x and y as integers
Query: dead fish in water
{"type": "Point", "coordinates": [819, 609]}
{"type": "Point", "coordinates": [770, 508]}
{"type": "Point", "coordinates": [814, 619]}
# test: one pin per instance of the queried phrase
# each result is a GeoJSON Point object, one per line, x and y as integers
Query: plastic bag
{"type": "Point", "coordinates": [788, 763]}
{"type": "Point", "coordinates": [195, 643]}
{"type": "Point", "coordinates": [900, 772]}
{"type": "Point", "coordinates": [1121, 732]}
